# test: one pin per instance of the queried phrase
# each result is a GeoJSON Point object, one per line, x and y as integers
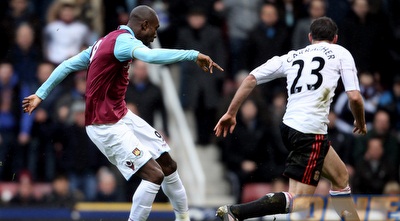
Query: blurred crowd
{"type": "Point", "coordinates": [51, 144]}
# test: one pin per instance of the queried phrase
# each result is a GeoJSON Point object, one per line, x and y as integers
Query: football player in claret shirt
{"type": "Point", "coordinates": [312, 74]}
{"type": "Point", "coordinates": [128, 142]}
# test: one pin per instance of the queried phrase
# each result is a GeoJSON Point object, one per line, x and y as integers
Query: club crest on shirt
{"type": "Point", "coordinates": [137, 152]}
{"type": "Point", "coordinates": [316, 175]}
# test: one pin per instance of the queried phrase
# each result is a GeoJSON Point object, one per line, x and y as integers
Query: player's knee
{"type": "Point", "coordinates": [167, 164]}
{"type": "Point", "coordinates": [151, 172]}
{"type": "Point", "coordinates": [341, 181]}
{"type": "Point", "coordinates": [169, 168]}
{"type": "Point", "coordinates": [157, 177]}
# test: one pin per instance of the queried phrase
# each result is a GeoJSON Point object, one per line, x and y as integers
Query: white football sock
{"type": "Point", "coordinates": [175, 191]}
{"type": "Point", "coordinates": [142, 200]}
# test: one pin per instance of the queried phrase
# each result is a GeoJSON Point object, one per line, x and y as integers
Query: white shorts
{"type": "Point", "coordinates": [129, 143]}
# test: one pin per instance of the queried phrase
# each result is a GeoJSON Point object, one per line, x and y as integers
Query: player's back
{"type": "Point", "coordinates": [312, 75]}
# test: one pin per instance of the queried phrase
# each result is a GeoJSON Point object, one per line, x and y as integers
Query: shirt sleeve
{"type": "Point", "coordinates": [127, 47]}
{"type": "Point", "coordinates": [270, 70]}
{"type": "Point", "coordinates": [348, 72]}
{"type": "Point", "coordinates": [75, 63]}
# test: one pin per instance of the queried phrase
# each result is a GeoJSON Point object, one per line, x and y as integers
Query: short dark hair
{"type": "Point", "coordinates": [323, 28]}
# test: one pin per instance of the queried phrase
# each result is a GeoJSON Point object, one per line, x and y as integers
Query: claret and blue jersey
{"type": "Point", "coordinates": [107, 62]}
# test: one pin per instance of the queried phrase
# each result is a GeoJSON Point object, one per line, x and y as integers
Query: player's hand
{"type": "Point", "coordinates": [30, 103]}
{"type": "Point", "coordinates": [206, 63]}
{"type": "Point", "coordinates": [359, 129]}
{"type": "Point", "coordinates": [225, 124]}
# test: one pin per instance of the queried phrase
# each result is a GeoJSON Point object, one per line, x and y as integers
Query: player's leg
{"type": "Point", "coordinates": [335, 170]}
{"type": "Point", "coordinates": [158, 148]}
{"type": "Point", "coordinates": [122, 148]}
{"type": "Point", "coordinates": [143, 198]}
{"type": "Point", "coordinates": [272, 203]}
{"type": "Point", "coordinates": [173, 187]}
{"type": "Point", "coordinates": [303, 167]}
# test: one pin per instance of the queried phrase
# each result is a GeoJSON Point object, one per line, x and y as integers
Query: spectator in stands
{"type": "Point", "coordinates": [247, 150]}
{"type": "Point", "coordinates": [201, 93]}
{"type": "Point", "coordinates": [316, 9]}
{"type": "Point", "coordinates": [116, 13]}
{"type": "Point", "coordinates": [392, 188]}
{"type": "Point", "coordinates": [371, 94]}
{"type": "Point", "coordinates": [278, 152]}
{"type": "Point", "coordinates": [25, 55]}
{"type": "Point", "coordinates": [381, 129]}
{"type": "Point", "coordinates": [19, 12]}
{"type": "Point", "coordinates": [241, 18]}
{"type": "Point", "coordinates": [367, 38]}
{"type": "Point", "coordinates": [80, 158]}
{"type": "Point", "coordinates": [374, 170]}
{"type": "Point", "coordinates": [390, 102]}
{"type": "Point", "coordinates": [269, 38]}
{"type": "Point", "coordinates": [341, 142]}
{"type": "Point", "coordinates": [229, 89]}
{"type": "Point", "coordinates": [14, 127]}
{"type": "Point", "coordinates": [73, 92]}
{"type": "Point", "coordinates": [43, 72]}
{"type": "Point", "coordinates": [177, 16]}
{"type": "Point", "coordinates": [291, 11]}
{"type": "Point", "coordinates": [41, 154]}
{"type": "Point", "coordinates": [25, 195]}
{"type": "Point", "coordinates": [92, 14]}
{"type": "Point", "coordinates": [279, 184]}
{"type": "Point", "coordinates": [107, 187]}
{"type": "Point", "coordinates": [143, 97]}
{"type": "Point", "coordinates": [61, 195]}
{"type": "Point", "coordinates": [338, 9]}
{"type": "Point", "coordinates": [64, 35]}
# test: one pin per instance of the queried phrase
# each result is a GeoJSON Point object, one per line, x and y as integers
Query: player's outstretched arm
{"type": "Point", "coordinates": [227, 122]}
{"type": "Point", "coordinates": [206, 63]}
{"type": "Point", "coordinates": [30, 103]}
{"type": "Point", "coordinates": [168, 56]}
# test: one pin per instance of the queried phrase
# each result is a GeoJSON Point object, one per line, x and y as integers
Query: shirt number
{"type": "Point", "coordinates": [296, 89]}
{"type": "Point", "coordinates": [94, 50]}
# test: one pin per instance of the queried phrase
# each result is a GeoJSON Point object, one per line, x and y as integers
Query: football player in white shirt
{"type": "Point", "coordinates": [312, 74]}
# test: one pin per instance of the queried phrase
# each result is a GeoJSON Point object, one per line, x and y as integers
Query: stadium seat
{"type": "Point", "coordinates": [253, 191]}
{"type": "Point", "coordinates": [9, 189]}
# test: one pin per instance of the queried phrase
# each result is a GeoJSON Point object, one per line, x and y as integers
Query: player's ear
{"type": "Point", "coordinates": [145, 25]}
{"type": "Point", "coordinates": [335, 39]}
{"type": "Point", "coordinates": [310, 37]}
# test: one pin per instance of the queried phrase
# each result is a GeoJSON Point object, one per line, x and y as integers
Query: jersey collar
{"type": "Point", "coordinates": [125, 27]}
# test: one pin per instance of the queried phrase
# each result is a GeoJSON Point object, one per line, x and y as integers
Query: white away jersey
{"type": "Point", "coordinates": [312, 74]}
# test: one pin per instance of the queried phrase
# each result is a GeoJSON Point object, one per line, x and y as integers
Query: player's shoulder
{"type": "Point", "coordinates": [339, 48]}
{"type": "Point", "coordinates": [344, 54]}
{"type": "Point", "coordinates": [337, 51]}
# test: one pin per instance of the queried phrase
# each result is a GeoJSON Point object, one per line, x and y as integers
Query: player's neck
{"type": "Point", "coordinates": [321, 41]}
